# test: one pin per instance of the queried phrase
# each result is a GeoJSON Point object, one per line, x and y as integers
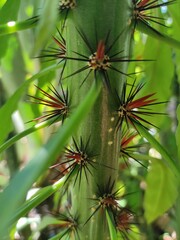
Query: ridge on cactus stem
{"type": "Point", "coordinates": [58, 103]}
{"type": "Point", "coordinates": [56, 53]}
{"type": "Point", "coordinates": [77, 160]}
{"type": "Point", "coordinates": [131, 108]}
{"type": "Point", "coordinates": [142, 11]}
{"type": "Point", "coordinates": [127, 147]}
{"type": "Point", "coordinates": [102, 59]}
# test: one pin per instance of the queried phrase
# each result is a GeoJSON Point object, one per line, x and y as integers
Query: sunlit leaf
{"type": "Point", "coordinates": [2, 3]}
{"type": "Point", "coordinates": [161, 191]}
{"type": "Point", "coordinates": [15, 26]}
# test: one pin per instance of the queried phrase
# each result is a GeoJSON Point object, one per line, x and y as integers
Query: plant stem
{"type": "Point", "coordinates": [97, 19]}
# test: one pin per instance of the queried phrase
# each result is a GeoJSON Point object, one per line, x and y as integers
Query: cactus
{"type": "Point", "coordinates": [104, 113]}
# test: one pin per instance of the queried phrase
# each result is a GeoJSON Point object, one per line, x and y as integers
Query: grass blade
{"type": "Point", "coordinates": [26, 132]}
{"type": "Point", "coordinates": [36, 199]}
{"type": "Point", "coordinates": [159, 36]}
{"type": "Point", "coordinates": [15, 26]}
{"type": "Point", "coordinates": [24, 179]}
{"type": "Point", "coordinates": [112, 229]}
{"type": "Point", "coordinates": [165, 155]}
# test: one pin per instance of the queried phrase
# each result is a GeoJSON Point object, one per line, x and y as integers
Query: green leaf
{"type": "Point", "coordinates": [36, 199]}
{"type": "Point", "coordinates": [159, 74]}
{"type": "Point", "coordinates": [43, 159]}
{"type": "Point", "coordinates": [8, 13]}
{"type": "Point", "coordinates": [13, 71]}
{"type": "Point", "coordinates": [165, 155]}
{"type": "Point", "coordinates": [26, 132]}
{"type": "Point", "coordinates": [161, 191]}
{"type": "Point", "coordinates": [157, 35]}
{"type": "Point", "coordinates": [2, 2]}
{"type": "Point", "coordinates": [15, 26]}
{"type": "Point", "coordinates": [178, 131]}
{"type": "Point", "coordinates": [174, 10]}
{"type": "Point", "coordinates": [112, 228]}
{"type": "Point", "coordinates": [60, 235]}
{"type": "Point", "coordinates": [47, 21]}
{"type": "Point", "coordinates": [160, 71]}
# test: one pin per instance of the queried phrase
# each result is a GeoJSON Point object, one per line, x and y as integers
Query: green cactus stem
{"type": "Point", "coordinates": [96, 32]}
